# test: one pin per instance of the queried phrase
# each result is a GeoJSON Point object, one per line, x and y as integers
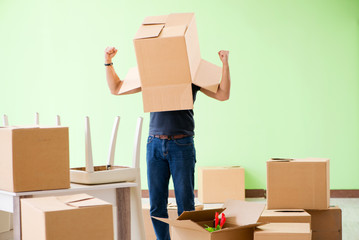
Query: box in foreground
{"type": "Point", "coordinates": [298, 184]}
{"type": "Point", "coordinates": [241, 221]}
{"type": "Point", "coordinates": [217, 184]}
{"type": "Point", "coordinates": [34, 158]}
{"type": "Point", "coordinates": [70, 217]}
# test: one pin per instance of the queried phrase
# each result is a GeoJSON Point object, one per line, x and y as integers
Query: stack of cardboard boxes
{"type": "Point", "coordinates": [36, 158]}
{"type": "Point", "coordinates": [298, 197]}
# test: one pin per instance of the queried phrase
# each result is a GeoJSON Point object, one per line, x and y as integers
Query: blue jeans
{"type": "Point", "coordinates": [165, 158]}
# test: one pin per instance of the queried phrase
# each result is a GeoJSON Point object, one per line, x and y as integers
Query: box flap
{"type": "Point", "coordinates": [132, 81]}
{"type": "Point", "coordinates": [188, 224]}
{"type": "Point", "coordinates": [81, 200]}
{"type": "Point", "coordinates": [174, 31]}
{"type": "Point", "coordinates": [242, 212]}
{"type": "Point", "coordinates": [155, 20]}
{"type": "Point", "coordinates": [208, 76]}
{"type": "Point", "coordinates": [199, 216]}
{"type": "Point", "coordinates": [149, 31]}
{"type": "Point", "coordinates": [175, 19]}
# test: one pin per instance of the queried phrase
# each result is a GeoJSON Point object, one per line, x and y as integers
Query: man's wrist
{"type": "Point", "coordinates": [108, 61]}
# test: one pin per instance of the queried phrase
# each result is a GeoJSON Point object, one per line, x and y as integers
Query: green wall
{"type": "Point", "coordinates": [294, 68]}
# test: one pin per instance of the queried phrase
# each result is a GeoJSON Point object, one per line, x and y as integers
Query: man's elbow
{"type": "Point", "coordinates": [223, 97]}
{"type": "Point", "coordinates": [114, 91]}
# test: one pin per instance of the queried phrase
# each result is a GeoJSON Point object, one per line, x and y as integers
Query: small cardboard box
{"type": "Point", "coordinates": [172, 214]}
{"type": "Point", "coordinates": [241, 218]}
{"type": "Point", "coordinates": [169, 61]}
{"type": "Point", "coordinates": [211, 188]}
{"type": "Point", "coordinates": [70, 217]}
{"type": "Point", "coordinates": [283, 231]}
{"type": "Point", "coordinates": [34, 158]}
{"type": "Point", "coordinates": [298, 184]}
{"type": "Point", "coordinates": [285, 216]}
{"type": "Point", "coordinates": [326, 224]}
{"type": "Point", "coordinates": [4, 221]}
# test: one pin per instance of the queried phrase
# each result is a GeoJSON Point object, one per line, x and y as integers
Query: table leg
{"type": "Point", "coordinates": [123, 213]}
{"type": "Point", "coordinates": [17, 219]}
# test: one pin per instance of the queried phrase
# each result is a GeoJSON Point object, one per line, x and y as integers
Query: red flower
{"type": "Point", "coordinates": [223, 220]}
{"type": "Point", "coordinates": [216, 220]}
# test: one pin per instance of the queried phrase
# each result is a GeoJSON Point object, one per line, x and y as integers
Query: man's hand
{"type": "Point", "coordinates": [223, 55]}
{"type": "Point", "coordinates": [110, 52]}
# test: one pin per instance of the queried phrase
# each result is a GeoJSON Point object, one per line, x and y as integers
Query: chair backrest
{"type": "Point", "coordinates": [88, 146]}
{"type": "Point", "coordinates": [6, 120]}
{"type": "Point", "coordinates": [111, 151]}
{"type": "Point", "coordinates": [137, 144]}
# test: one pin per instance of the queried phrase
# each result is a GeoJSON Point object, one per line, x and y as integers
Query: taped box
{"type": "Point", "coordinates": [241, 221]}
{"type": "Point", "coordinates": [34, 158]}
{"type": "Point", "coordinates": [285, 216]}
{"type": "Point", "coordinates": [283, 231]}
{"type": "Point", "coordinates": [71, 217]}
{"type": "Point", "coordinates": [172, 214]}
{"type": "Point", "coordinates": [218, 184]}
{"type": "Point", "coordinates": [326, 224]}
{"type": "Point", "coordinates": [169, 62]}
{"type": "Point", "coordinates": [298, 184]}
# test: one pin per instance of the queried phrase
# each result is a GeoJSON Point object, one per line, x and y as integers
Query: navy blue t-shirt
{"type": "Point", "coordinates": [173, 122]}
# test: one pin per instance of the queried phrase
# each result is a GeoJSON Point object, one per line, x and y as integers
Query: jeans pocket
{"type": "Point", "coordinates": [150, 139]}
{"type": "Point", "coordinates": [186, 141]}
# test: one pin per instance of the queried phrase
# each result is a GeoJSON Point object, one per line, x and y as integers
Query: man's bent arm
{"type": "Point", "coordinates": [113, 81]}
{"type": "Point", "coordinates": [224, 87]}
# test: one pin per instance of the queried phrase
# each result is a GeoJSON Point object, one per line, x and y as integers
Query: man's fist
{"type": "Point", "coordinates": [223, 55]}
{"type": "Point", "coordinates": [110, 52]}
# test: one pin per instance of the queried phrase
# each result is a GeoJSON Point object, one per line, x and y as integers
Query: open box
{"type": "Point", "coordinates": [241, 221]}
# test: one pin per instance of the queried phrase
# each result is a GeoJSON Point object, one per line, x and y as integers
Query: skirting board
{"type": "Point", "coordinates": [261, 193]}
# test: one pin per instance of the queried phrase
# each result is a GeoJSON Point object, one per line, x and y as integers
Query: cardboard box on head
{"type": "Point", "coordinates": [169, 62]}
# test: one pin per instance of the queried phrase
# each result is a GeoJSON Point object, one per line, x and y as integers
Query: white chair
{"type": "Point", "coordinates": [112, 173]}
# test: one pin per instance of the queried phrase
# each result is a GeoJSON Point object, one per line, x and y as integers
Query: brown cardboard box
{"type": "Point", "coordinates": [326, 224]}
{"type": "Point", "coordinates": [241, 220]}
{"type": "Point", "coordinates": [169, 61]}
{"type": "Point", "coordinates": [72, 217]}
{"type": "Point", "coordinates": [285, 216]}
{"type": "Point", "coordinates": [211, 187]}
{"type": "Point", "coordinates": [34, 158]}
{"type": "Point", "coordinates": [283, 231]}
{"type": "Point", "coordinates": [172, 214]}
{"type": "Point", "coordinates": [4, 221]}
{"type": "Point", "coordinates": [298, 184]}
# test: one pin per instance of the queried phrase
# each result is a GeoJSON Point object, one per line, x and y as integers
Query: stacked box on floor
{"type": "Point", "coordinates": [218, 184]}
{"type": "Point", "coordinates": [326, 224]}
{"type": "Point", "coordinates": [304, 184]}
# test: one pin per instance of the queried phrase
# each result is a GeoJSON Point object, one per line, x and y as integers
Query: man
{"type": "Point", "coordinates": [170, 147]}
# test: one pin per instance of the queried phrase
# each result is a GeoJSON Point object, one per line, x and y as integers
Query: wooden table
{"type": "Point", "coordinates": [118, 194]}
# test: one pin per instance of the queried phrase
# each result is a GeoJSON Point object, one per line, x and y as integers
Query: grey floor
{"type": "Point", "coordinates": [349, 206]}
